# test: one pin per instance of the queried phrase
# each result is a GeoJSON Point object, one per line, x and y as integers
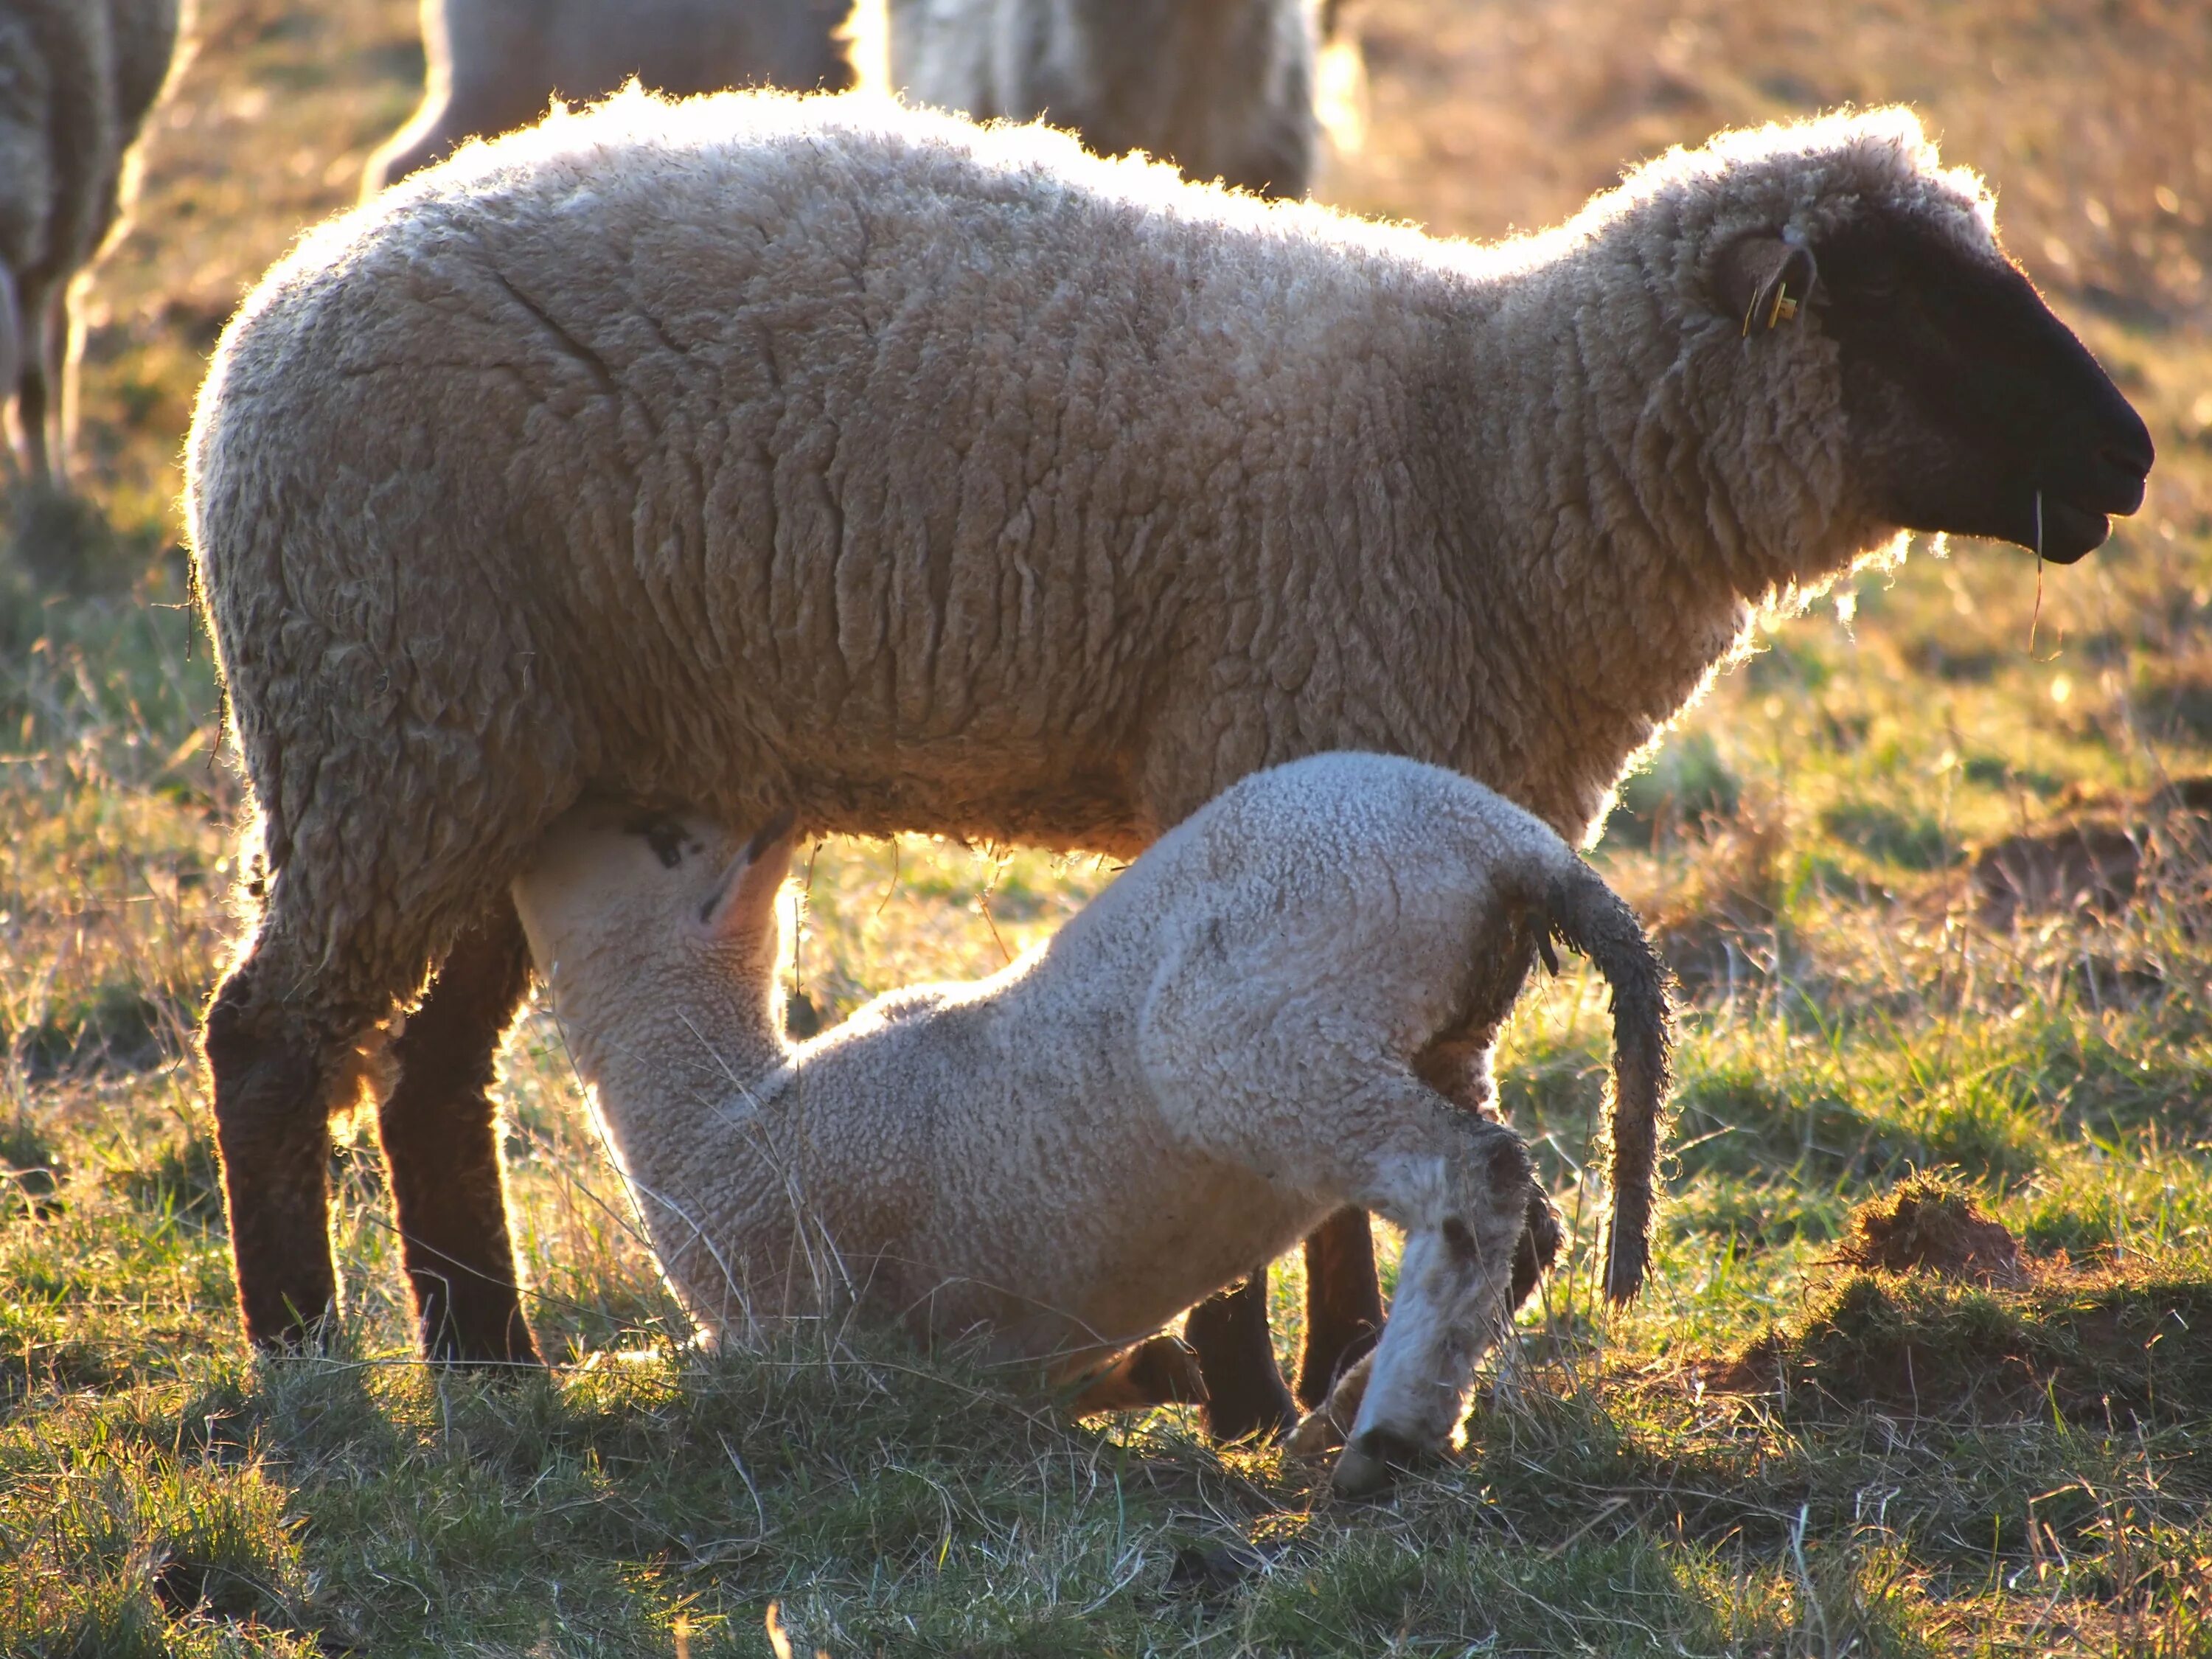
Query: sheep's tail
{"type": "Point", "coordinates": [1591, 919]}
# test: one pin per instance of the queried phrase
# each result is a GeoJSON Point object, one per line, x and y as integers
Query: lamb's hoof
{"type": "Point", "coordinates": [1316, 1436]}
{"type": "Point", "coordinates": [1371, 1464]}
{"type": "Point", "coordinates": [1326, 1426]}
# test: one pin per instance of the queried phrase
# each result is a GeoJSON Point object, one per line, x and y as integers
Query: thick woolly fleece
{"type": "Point", "coordinates": [493, 65]}
{"type": "Point", "coordinates": [1228, 1044]}
{"type": "Point", "coordinates": [754, 451]}
{"type": "Point", "coordinates": [77, 79]}
{"type": "Point", "coordinates": [1224, 89]}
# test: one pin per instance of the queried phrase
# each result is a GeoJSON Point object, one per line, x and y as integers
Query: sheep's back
{"type": "Point", "coordinates": [796, 465]}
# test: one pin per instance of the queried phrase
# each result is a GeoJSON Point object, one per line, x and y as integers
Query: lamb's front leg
{"type": "Point", "coordinates": [1466, 1212]}
{"type": "Point", "coordinates": [1450, 1306]}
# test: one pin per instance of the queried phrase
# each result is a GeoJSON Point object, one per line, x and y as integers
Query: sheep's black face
{"type": "Point", "coordinates": [1971, 408]}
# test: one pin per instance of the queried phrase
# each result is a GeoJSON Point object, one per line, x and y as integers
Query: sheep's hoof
{"type": "Point", "coordinates": [1370, 1465]}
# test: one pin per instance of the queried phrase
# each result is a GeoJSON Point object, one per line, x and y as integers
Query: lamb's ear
{"type": "Point", "coordinates": [746, 894]}
{"type": "Point", "coordinates": [1765, 278]}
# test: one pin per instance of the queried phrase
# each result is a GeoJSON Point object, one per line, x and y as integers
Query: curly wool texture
{"type": "Point", "coordinates": [1224, 89]}
{"type": "Point", "coordinates": [76, 80]}
{"type": "Point", "coordinates": [1219, 1051]}
{"type": "Point", "coordinates": [755, 451]}
{"type": "Point", "coordinates": [493, 65]}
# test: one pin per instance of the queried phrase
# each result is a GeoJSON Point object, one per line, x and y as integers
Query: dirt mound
{"type": "Point", "coordinates": [1937, 1315]}
{"type": "Point", "coordinates": [1928, 1225]}
{"type": "Point", "coordinates": [2097, 861]}
{"type": "Point", "coordinates": [2096, 1347]}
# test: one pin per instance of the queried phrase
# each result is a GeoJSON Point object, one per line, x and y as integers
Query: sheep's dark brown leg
{"type": "Point", "coordinates": [32, 393]}
{"type": "Point", "coordinates": [272, 1075]}
{"type": "Point", "coordinates": [441, 1152]}
{"type": "Point", "coordinates": [1245, 1396]}
{"type": "Point", "coordinates": [1344, 1303]}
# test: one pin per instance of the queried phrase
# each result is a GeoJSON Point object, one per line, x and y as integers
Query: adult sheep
{"type": "Point", "coordinates": [493, 65]}
{"type": "Point", "coordinates": [76, 80]}
{"type": "Point", "coordinates": [754, 451]}
{"type": "Point", "coordinates": [1224, 89]}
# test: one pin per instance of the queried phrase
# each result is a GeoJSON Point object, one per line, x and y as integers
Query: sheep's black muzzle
{"type": "Point", "coordinates": [2101, 473]}
{"type": "Point", "coordinates": [1973, 410]}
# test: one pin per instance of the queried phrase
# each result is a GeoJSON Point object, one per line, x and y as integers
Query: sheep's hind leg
{"type": "Point", "coordinates": [1344, 1303]}
{"type": "Point", "coordinates": [1246, 1398]}
{"type": "Point", "coordinates": [441, 1150]}
{"type": "Point", "coordinates": [11, 360]}
{"type": "Point", "coordinates": [280, 1062]}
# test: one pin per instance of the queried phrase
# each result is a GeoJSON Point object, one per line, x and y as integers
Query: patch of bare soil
{"type": "Point", "coordinates": [2098, 861]}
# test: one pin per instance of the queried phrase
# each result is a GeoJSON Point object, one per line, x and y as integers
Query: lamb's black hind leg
{"type": "Point", "coordinates": [1245, 1395]}
{"type": "Point", "coordinates": [441, 1150]}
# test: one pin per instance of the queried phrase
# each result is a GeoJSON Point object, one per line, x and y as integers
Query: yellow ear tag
{"type": "Point", "coordinates": [1784, 306]}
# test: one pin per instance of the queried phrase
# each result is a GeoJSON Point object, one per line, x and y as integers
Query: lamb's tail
{"type": "Point", "coordinates": [1591, 918]}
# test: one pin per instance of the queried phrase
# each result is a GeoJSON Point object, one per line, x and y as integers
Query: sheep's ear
{"type": "Point", "coordinates": [1764, 280]}
{"type": "Point", "coordinates": [746, 894]}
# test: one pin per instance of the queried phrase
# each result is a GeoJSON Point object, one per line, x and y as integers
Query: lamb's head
{"type": "Point", "coordinates": [1850, 326]}
{"type": "Point", "coordinates": [638, 918]}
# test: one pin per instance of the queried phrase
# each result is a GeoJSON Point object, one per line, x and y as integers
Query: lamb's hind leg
{"type": "Point", "coordinates": [441, 1150]}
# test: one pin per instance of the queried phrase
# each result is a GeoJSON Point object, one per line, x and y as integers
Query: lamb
{"type": "Point", "coordinates": [1224, 88]}
{"type": "Point", "coordinates": [77, 78]}
{"type": "Point", "coordinates": [493, 65]}
{"type": "Point", "coordinates": [753, 451]}
{"type": "Point", "coordinates": [1226, 1044]}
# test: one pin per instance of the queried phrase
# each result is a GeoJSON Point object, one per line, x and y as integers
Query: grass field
{"type": "Point", "coordinates": [1789, 1448]}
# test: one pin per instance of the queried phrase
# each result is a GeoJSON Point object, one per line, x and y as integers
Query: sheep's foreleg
{"type": "Point", "coordinates": [441, 1150]}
